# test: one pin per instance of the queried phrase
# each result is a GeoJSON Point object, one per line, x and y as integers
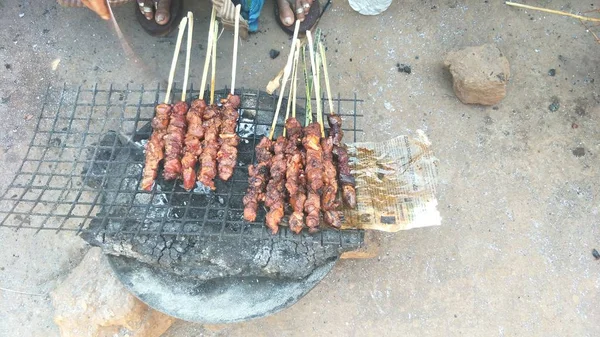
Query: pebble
{"type": "Point", "coordinates": [579, 152]}
{"type": "Point", "coordinates": [552, 72]}
{"type": "Point", "coordinates": [596, 254]}
{"type": "Point", "coordinates": [274, 53]}
{"type": "Point", "coordinates": [554, 106]}
{"type": "Point", "coordinates": [403, 68]}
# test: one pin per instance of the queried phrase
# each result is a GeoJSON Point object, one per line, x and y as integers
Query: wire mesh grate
{"type": "Point", "coordinates": [82, 170]}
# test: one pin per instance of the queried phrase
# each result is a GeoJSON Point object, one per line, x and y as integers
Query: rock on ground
{"type": "Point", "coordinates": [480, 74]}
{"type": "Point", "coordinates": [92, 302]}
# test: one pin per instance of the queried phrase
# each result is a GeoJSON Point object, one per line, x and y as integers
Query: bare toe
{"type": "Point", "coordinates": [286, 15]}
{"type": "Point", "coordinates": [163, 14]}
{"type": "Point", "coordinates": [306, 5]}
{"type": "Point", "coordinates": [146, 7]}
{"type": "Point", "coordinates": [300, 10]}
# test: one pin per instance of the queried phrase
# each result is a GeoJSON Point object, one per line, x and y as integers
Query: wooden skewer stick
{"type": "Point", "coordinates": [326, 75]}
{"type": "Point", "coordinates": [318, 94]}
{"type": "Point", "coordinates": [291, 92]}
{"type": "Point", "coordinates": [552, 11]}
{"type": "Point", "coordinates": [213, 17]}
{"type": "Point", "coordinates": [213, 71]}
{"type": "Point", "coordinates": [315, 73]}
{"type": "Point", "coordinates": [190, 17]}
{"type": "Point", "coordinates": [286, 75]}
{"type": "Point", "coordinates": [307, 110]}
{"type": "Point", "coordinates": [236, 37]}
{"type": "Point", "coordinates": [295, 79]}
{"type": "Point", "coordinates": [182, 25]}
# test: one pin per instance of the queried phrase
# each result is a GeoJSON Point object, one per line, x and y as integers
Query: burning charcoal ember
{"type": "Point", "coordinates": [155, 146]}
{"type": "Point", "coordinates": [174, 141]}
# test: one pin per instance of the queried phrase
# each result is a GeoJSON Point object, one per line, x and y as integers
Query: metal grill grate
{"type": "Point", "coordinates": [82, 169]}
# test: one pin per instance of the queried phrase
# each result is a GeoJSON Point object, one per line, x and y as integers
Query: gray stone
{"type": "Point", "coordinates": [370, 7]}
{"type": "Point", "coordinates": [479, 74]}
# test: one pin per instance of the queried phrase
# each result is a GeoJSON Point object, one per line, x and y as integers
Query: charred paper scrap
{"type": "Point", "coordinates": [395, 184]}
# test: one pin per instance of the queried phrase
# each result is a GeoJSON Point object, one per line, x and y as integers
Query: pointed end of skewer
{"type": "Point", "coordinates": [183, 22]}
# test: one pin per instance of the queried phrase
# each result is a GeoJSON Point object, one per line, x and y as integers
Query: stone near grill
{"type": "Point", "coordinates": [92, 302]}
{"type": "Point", "coordinates": [479, 74]}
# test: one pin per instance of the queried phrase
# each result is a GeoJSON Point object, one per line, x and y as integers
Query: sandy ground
{"type": "Point", "coordinates": [519, 198]}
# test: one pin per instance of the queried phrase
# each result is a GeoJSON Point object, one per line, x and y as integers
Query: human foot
{"type": "Point", "coordinates": [292, 10]}
{"type": "Point", "coordinates": [158, 11]}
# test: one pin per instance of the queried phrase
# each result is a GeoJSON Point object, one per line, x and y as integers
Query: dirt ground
{"type": "Point", "coordinates": [518, 183]}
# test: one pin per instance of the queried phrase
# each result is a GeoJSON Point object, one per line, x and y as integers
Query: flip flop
{"type": "Point", "coordinates": [310, 19]}
{"type": "Point", "coordinates": [153, 28]}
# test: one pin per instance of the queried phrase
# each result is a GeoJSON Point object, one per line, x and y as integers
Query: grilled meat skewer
{"type": "Point", "coordinates": [314, 174]}
{"type": "Point", "coordinates": [229, 140]}
{"type": "Point", "coordinates": [155, 146]}
{"type": "Point", "coordinates": [257, 179]}
{"type": "Point", "coordinates": [339, 150]}
{"type": "Point", "coordinates": [295, 178]}
{"type": "Point", "coordinates": [193, 143]}
{"type": "Point", "coordinates": [174, 141]}
{"type": "Point", "coordinates": [210, 146]}
{"type": "Point", "coordinates": [275, 196]}
{"type": "Point", "coordinates": [329, 203]}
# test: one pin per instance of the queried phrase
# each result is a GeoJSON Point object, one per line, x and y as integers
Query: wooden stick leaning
{"type": "Point", "coordinates": [286, 75]}
{"type": "Point", "coordinates": [552, 11]}
{"type": "Point", "coordinates": [236, 37]}
{"type": "Point", "coordinates": [190, 17]}
{"type": "Point", "coordinates": [326, 75]}
{"type": "Point", "coordinates": [213, 71]}
{"type": "Point", "coordinates": [213, 17]}
{"type": "Point", "coordinates": [315, 73]}
{"type": "Point", "coordinates": [182, 26]}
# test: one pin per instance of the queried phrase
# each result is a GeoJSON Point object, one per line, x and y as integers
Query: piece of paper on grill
{"type": "Point", "coordinates": [395, 184]}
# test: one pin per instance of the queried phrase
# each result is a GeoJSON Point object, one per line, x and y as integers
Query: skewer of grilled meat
{"type": "Point", "coordinates": [295, 179]}
{"type": "Point", "coordinates": [227, 155]}
{"type": "Point", "coordinates": [257, 178]}
{"type": "Point", "coordinates": [339, 150]}
{"type": "Point", "coordinates": [193, 143]}
{"type": "Point", "coordinates": [329, 203]}
{"type": "Point", "coordinates": [210, 146]}
{"type": "Point", "coordinates": [314, 174]}
{"type": "Point", "coordinates": [174, 141]}
{"type": "Point", "coordinates": [275, 196]}
{"type": "Point", "coordinates": [155, 146]}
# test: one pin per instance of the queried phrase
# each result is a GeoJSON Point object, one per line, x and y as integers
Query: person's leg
{"type": "Point", "coordinates": [292, 10]}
